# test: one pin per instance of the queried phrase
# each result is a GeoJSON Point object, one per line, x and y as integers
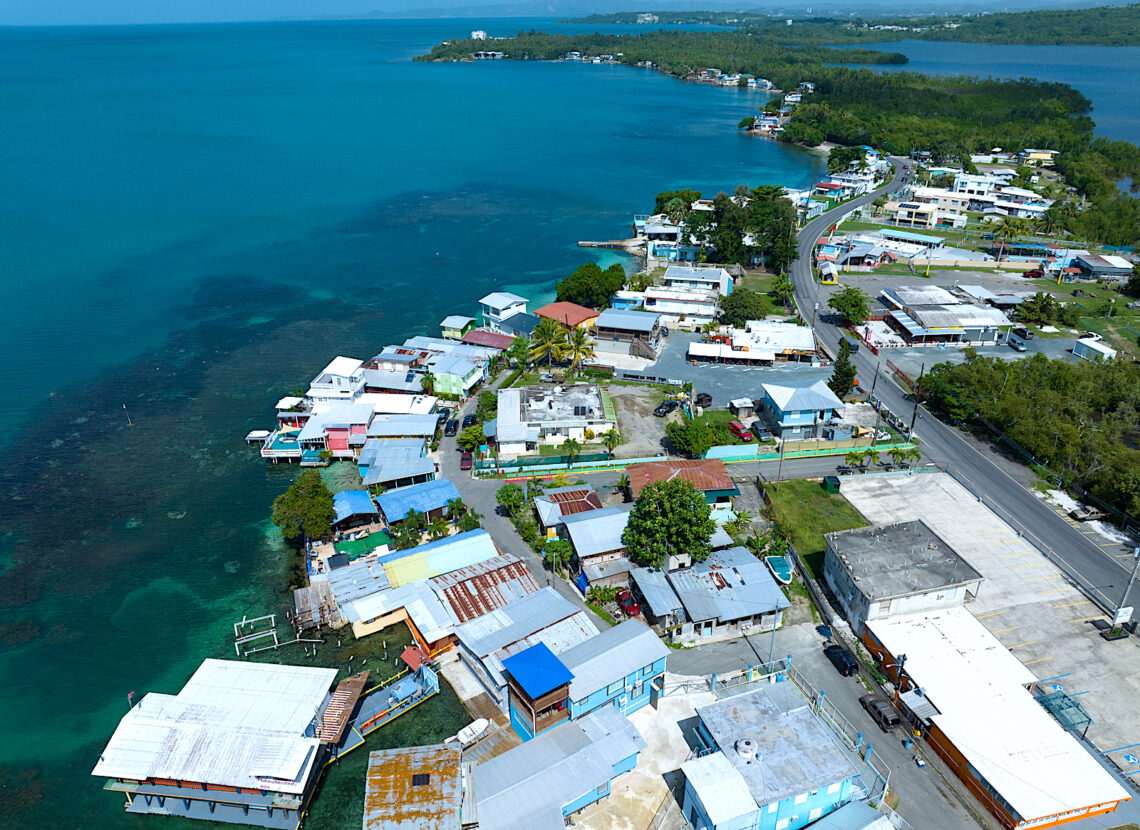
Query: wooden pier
{"type": "Point", "coordinates": [382, 704]}
{"type": "Point", "coordinates": [614, 244]}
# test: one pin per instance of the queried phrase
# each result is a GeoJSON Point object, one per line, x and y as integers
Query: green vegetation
{"type": "Point", "coordinates": [305, 509]}
{"type": "Point", "coordinates": [763, 212]}
{"type": "Point", "coordinates": [843, 373]}
{"type": "Point", "coordinates": [668, 518]}
{"type": "Point", "coordinates": [590, 286]}
{"type": "Point", "coordinates": [1044, 309]}
{"type": "Point", "coordinates": [852, 303]}
{"type": "Point", "coordinates": [516, 501]}
{"type": "Point", "coordinates": [548, 340]}
{"type": "Point", "coordinates": [1081, 420]}
{"type": "Point", "coordinates": [470, 438]}
{"type": "Point", "coordinates": [741, 306]}
{"type": "Point", "coordinates": [840, 158]}
{"type": "Point", "coordinates": [557, 554]}
{"type": "Point", "coordinates": [694, 437]}
{"type": "Point", "coordinates": [804, 511]}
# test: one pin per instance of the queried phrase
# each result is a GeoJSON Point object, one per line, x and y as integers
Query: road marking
{"type": "Point", "coordinates": [1061, 591]}
{"type": "Point", "coordinates": [1038, 660]}
{"type": "Point", "coordinates": [1019, 645]}
{"type": "Point", "coordinates": [1122, 555]}
{"type": "Point", "coordinates": [1034, 565]}
{"type": "Point", "coordinates": [1071, 604]}
{"type": "Point", "coordinates": [1086, 619]}
{"type": "Point", "coordinates": [1009, 555]}
{"type": "Point", "coordinates": [991, 614]}
{"type": "Point", "coordinates": [1011, 628]}
{"type": "Point", "coordinates": [1002, 542]}
{"type": "Point", "coordinates": [1042, 578]}
{"type": "Point", "coordinates": [988, 532]}
{"type": "Point", "coordinates": [1109, 545]}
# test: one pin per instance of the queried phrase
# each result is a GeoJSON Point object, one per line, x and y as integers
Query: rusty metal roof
{"type": "Point", "coordinates": [415, 788]}
{"type": "Point", "coordinates": [704, 474]}
{"type": "Point", "coordinates": [478, 589]}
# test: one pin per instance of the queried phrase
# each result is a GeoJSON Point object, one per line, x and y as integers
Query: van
{"type": "Point", "coordinates": [740, 431]}
{"type": "Point", "coordinates": [853, 345]}
{"type": "Point", "coordinates": [1023, 333]}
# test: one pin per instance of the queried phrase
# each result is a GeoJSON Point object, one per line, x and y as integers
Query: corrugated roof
{"type": "Point", "coordinates": [414, 788]}
{"type": "Point", "coordinates": [659, 594]}
{"type": "Point", "coordinates": [358, 579]}
{"type": "Point", "coordinates": [393, 379]}
{"type": "Point", "coordinates": [432, 618]}
{"type": "Point", "coordinates": [456, 321]}
{"type": "Point", "coordinates": [801, 396]}
{"type": "Point", "coordinates": [854, 815]}
{"type": "Point", "coordinates": [402, 426]}
{"type": "Point", "coordinates": [509, 424]}
{"type": "Point", "coordinates": [489, 339]}
{"type": "Point", "coordinates": [481, 588]}
{"type": "Point", "coordinates": [391, 462]}
{"type": "Point", "coordinates": [624, 320]}
{"type": "Point", "coordinates": [565, 501]}
{"type": "Point", "coordinates": [705, 474]}
{"type": "Point", "coordinates": [348, 503]}
{"type": "Point", "coordinates": [729, 585]}
{"type": "Point", "coordinates": [519, 620]}
{"type": "Point", "coordinates": [615, 653]}
{"type": "Point", "coordinates": [537, 670]}
{"type": "Point", "coordinates": [595, 571]}
{"type": "Point", "coordinates": [431, 495]}
{"type": "Point", "coordinates": [521, 324]}
{"type": "Point", "coordinates": [598, 531]}
{"type": "Point", "coordinates": [439, 557]}
{"type": "Point", "coordinates": [568, 314]}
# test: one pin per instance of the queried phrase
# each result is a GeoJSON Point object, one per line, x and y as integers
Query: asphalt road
{"type": "Point", "coordinates": [1102, 574]}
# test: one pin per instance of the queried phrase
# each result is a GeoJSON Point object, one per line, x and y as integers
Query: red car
{"type": "Point", "coordinates": [740, 431]}
{"type": "Point", "coordinates": [465, 461]}
{"type": "Point", "coordinates": [628, 604]}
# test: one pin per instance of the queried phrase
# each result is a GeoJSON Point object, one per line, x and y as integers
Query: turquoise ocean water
{"type": "Point", "coordinates": [196, 218]}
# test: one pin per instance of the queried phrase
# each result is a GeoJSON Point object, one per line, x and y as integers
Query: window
{"type": "Point", "coordinates": [801, 798]}
{"type": "Point", "coordinates": [420, 779]}
{"type": "Point", "coordinates": [814, 814]}
{"type": "Point", "coordinates": [615, 687]}
{"type": "Point", "coordinates": [833, 789]}
{"type": "Point", "coordinates": [772, 807]}
{"type": "Point", "coordinates": [782, 824]}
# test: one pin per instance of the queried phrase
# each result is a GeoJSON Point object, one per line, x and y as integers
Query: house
{"type": "Point", "coordinates": [656, 228]}
{"type": "Point", "coordinates": [918, 214]}
{"type": "Point", "coordinates": [489, 340]}
{"type": "Point", "coordinates": [397, 462]}
{"type": "Point", "coordinates": [498, 306]}
{"type": "Point", "coordinates": [660, 604]}
{"type": "Point", "coordinates": [635, 333]}
{"type": "Point", "coordinates": [242, 743]}
{"type": "Point", "coordinates": [480, 588]}
{"type": "Point", "coordinates": [763, 766]}
{"type": "Point", "coordinates": [1093, 349]}
{"type": "Point", "coordinates": [392, 381]}
{"type": "Point", "coordinates": [973, 702]}
{"type": "Point", "coordinates": [1038, 158]}
{"type": "Point", "coordinates": [760, 342]}
{"type": "Point", "coordinates": [532, 415]}
{"type": "Point", "coordinates": [399, 359]}
{"type": "Point", "coordinates": [887, 570]}
{"type": "Point", "coordinates": [984, 185]}
{"type": "Point", "coordinates": [341, 380]}
{"type": "Point", "coordinates": [537, 689]}
{"type": "Point", "coordinates": [623, 667]}
{"type": "Point", "coordinates": [854, 815]}
{"type": "Point", "coordinates": [420, 786]}
{"type": "Point", "coordinates": [454, 326]}
{"type": "Point", "coordinates": [708, 475]}
{"type": "Point", "coordinates": [429, 500]}
{"type": "Point", "coordinates": [1103, 267]}
{"type": "Point", "coordinates": [570, 315]}
{"type": "Point", "coordinates": [556, 503]}
{"type": "Point", "coordinates": [688, 307]}
{"type": "Point", "coordinates": [800, 409]}
{"type": "Point", "coordinates": [598, 549]}
{"type": "Point", "coordinates": [457, 376]}
{"type": "Point", "coordinates": [710, 278]}
{"type": "Point", "coordinates": [540, 617]}
{"type": "Point", "coordinates": [353, 508]}
{"type": "Point", "coordinates": [537, 785]}
{"type": "Point", "coordinates": [728, 595]}
{"type": "Point", "coordinates": [387, 427]}
{"type": "Point", "coordinates": [835, 190]}
{"type": "Point", "coordinates": [943, 199]}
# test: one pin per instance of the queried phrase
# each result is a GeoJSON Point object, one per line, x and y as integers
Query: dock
{"type": "Point", "coordinates": [336, 717]}
{"type": "Point", "coordinates": [614, 244]}
{"type": "Point", "coordinates": [382, 704]}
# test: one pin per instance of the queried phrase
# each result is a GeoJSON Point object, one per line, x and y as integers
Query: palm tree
{"type": "Point", "coordinates": [611, 440]}
{"type": "Point", "coordinates": [1008, 229]}
{"type": "Point", "coordinates": [408, 536]}
{"type": "Point", "coordinates": [854, 459]}
{"type": "Point", "coordinates": [578, 347]}
{"type": "Point", "coordinates": [914, 454]}
{"type": "Point", "coordinates": [571, 449]}
{"type": "Point", "coordinates": [547, 340]}
{"type": "Point", "coordinates": [872, 456]}
{"type": "Point", "coordinates": [413, 518]}
{"type": "Point", "coordinates": [455, 508]}
{"type": "Point", "coordinates": [1049, 224]}
{"type": "Point", "coordinates": [742, 521]}
{"type": "Point", "coordinates": [469, 521]}
{"type": "Point", "coordinates": [438, 529]}
{"type": "Point", "coordinates": [676, 210]}
{"type": "Point", "coordinates": [427, 383]}
{"type": "Point", "coordinates": [622, 484]}
{"type": "Point", "coordinates": [897, 454]}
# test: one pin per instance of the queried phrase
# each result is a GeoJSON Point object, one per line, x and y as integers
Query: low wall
{"type": "Point", "coordinates": [793, 449]}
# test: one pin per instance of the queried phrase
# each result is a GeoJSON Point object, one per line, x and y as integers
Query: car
{"type": "Point", "coordinates": [853, 345]}
{"type": "Point", "coordinates": [740, 431]}
{"type": "Point", "coordinates": [1034, 272]}
{"type": "Point", "coordinates": [843, 660]}
{"type": "Point", "coordinates": [628, 604]}
{"type": "Point", "coordinates": [1081, 513]}
{"type": "Point", "coordinates": [468, 421]}
{"type": "Point", "coordinates": [1018, 346]}
{"type": "Point", "coordinates": [881, 711]}
{"type": "Point", "coordinates": [761, 433]}
{"type": "Point", "coordinates": [451, 428]}
{"type": "Point", "coordinates": [665, 408]}
{"type": "Point", "coordinates": [1023, 333]}
{"type": "Point", "coordinates": [988, 236]}
{"type": "Point", "coordinates": [443, 414]}
{"type": "Point", "coordinates": [465, 461]}
{"type": "Point", "coordinates": [546, 378]}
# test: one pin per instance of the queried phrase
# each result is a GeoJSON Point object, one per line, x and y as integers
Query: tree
{"type": "Point", "coordinates": [897, 454]}
{"type": "Point", "coordinates": [879, 203]}
{"type": "Point", "coordinates": [691, 438]}
{"type": "Point", "coordinates": [519, 351]}
{"type": "Point", "coordinates": [547, 340]}
{"type": "Point", "coordinates": [590, 286]}
{"type": "Point", "coordinates": [455, 508]}
{"type": "Point", "coordinates": [407, 536]}
{"type": "Point", "coordinates": [784, 289]}
{"type": "Point", "coordinates": [843, 372]}
{"type": "Point", "coordinates": [852, 303]}
{"type": "Point", "coordinates": [579, 347]}
{"type": "Point", "coordinates": [487, 405]}
{"type": "Point", "coordinates": [853, 459]}
{"type": "Point", "coordinates": [439, 529]}
{"type": "Point", "coordinates": [746, 123]}
{"type": "Point", "coordinates": [685, 197]}
{"type": "Point", "coordinates": [470, 438]}
{"type": "Point", "coordinates": [913, 454]}
{"type": "Point", "coordinates": [427, 383]}
{"type": "Point", "coordinates": [741, 523]}
{"type": "Point", "coordinates": [1132, 288]}
{"type": "Point", "coordinates": [511, 497]}
{"type": "Point", "coordinates": [305, 509]}
{"type": "Point", "coordinates": [841, 158]}
{"type": "Point", "coordinates": [611, 440]}
{"type": "Point", "coordinates": [1008, 229]}
{"type": "Point", "coordinates": [414, 519]}
{"type": "Point", "coordinates": [556, 553]}
{"type": "Point", "coordinates": [668, 518]}
{"type": "Point", "coordinates": [741, 306]}
{"type": "Point", "coordinates": [468, 521]}
{"type": "Point", "coordinates": [871, 455]}
{"type": "Point", "coordinates": [571, 448]}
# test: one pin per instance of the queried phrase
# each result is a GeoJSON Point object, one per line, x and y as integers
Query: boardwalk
{"type": "Point", "coordinates": [384, 704]}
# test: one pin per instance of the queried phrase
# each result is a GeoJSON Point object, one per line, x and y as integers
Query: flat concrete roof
{"type": "Point", "coordinates": [542, 404]}
{"type": "Point", "coordinates": [899, 559]}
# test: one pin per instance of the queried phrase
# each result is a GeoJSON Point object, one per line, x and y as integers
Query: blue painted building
{"type": "Point", "coordinates": [799, 409]}
{"type": "Point", "coordinates": [763, 767]}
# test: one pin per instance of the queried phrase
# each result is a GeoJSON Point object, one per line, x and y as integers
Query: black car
{"type": "Point", "coordinates": [468, 421]}
{"type": "Point", "coordinates": [451, 428]}
{"type": "Point", "coordinates": [760, 432]}
{"type": "Point", "coordinates": [442, 414]}
{"type": "Point", "coordinates": [843, 660]}
{"type": "Point", "coordinates": [665, 408]}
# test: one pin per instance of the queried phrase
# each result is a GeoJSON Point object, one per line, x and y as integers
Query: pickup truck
{"type": "Point", "coordinates": [1081, 513]}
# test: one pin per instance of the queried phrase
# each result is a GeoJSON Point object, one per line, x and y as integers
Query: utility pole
{"type": "Point", "coordinates": [1120, 617]}
{"type": "Point", "coordinates": [875, 380]}
{"type": "Point", "coordinates": [780, 466]}
{"type": "Point", "coordinates": [917, 385]}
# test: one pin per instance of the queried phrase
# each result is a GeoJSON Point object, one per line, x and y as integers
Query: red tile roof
{"type": "Point", "coordinates": [568, 314]}
{"type": "Point", "coordinates": [704, 474]}
{"type": "Point", "coordinates": [489, 339]}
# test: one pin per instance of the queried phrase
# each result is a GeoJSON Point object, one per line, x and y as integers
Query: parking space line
{"type": "Point", "coordinates": [1071, 604]}
{"type": "Point", "coordinates": [1059, 591]}
{"type": "Point", "coordinates": [991, 614]}
{"type": "Point", "coordinates": [1109, 545]}
{"type": "Point", "coordinates": [1011, 628]}
{"type": "Point", "coordinates": [1086, 619]}
{"type": "Point", "coordinates": [1038, 660]}
{"type": "Point", "coordinates": [1009, 555]}
{"type": "Point", "coordinates": [1039, 578]}
{"type": "Point", "coordinates": [1035, 565]}
{"type": "Point", "coordinates": [1019, 645]}
{"type": "Point", "coordinates": [1122, 555]}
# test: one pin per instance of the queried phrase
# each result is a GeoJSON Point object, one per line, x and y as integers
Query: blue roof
{"type": "Point", "coordinates": [431, 495]}
{"type": "Point", "coordinates": [537, 670]}
{"type": "Point", "coordinates": [907, 236]}
{"type": "Point", "coordinates": [353, 503]}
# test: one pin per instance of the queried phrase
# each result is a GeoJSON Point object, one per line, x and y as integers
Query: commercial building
{"type": "Point", "coordinates": [686, 307]}
{"type": "Point", "coordinates": [728, 595]}
{"type": "Point", "coordinates": [634, 333]}
{"type": "Point", "coordinates": [760, 342]}
{"type": "Point", "coordinates": [800, 409]}
{"type": "Point", "coordinates": [763, 768]}
{"type": "Point", "coordinates": [1114, 268]}
{"type": "Point", "coordinates": [930, 315]}
{"type": "Point", "coordinates": [533, 415]}
{"type": "Point", "coordinates": [1093, 349]}
{"type": "Point", "coordinates": [887, 570]}
{"type": "Point", "coordinates": [708, 475]}
{"type": "Point", "coordinates": [420, 787]}
{"type": "Point", "coordinates": [242, 743]}
{"type": "Point", "coordinates": [970, 698]}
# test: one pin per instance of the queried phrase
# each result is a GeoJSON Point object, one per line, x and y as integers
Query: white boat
{"type": "Point", "coordinates": [471, 732]}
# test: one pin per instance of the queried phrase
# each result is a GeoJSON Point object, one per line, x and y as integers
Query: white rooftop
{"type": "Point", "coordinates": [502, 299]}
{"type": "Point", "coordinates": [720, 786]}
{"type": "Point", "coordinates": [343, 366]}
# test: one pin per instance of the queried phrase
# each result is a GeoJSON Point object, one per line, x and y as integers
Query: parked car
{"type": "Point", "coordinates": [546, 378]}
{"type": "Point", "coordinates": [852, 344]}
{"type": "Point", "coordinates": [468, 421]}
{"type": "Point", "coordinates": [628, 604]}
{"type": "Point", "coordinates": [451, 428]}
{"type": "Point", "coordinates": [988, 236]}
{"type": "Point", "coordinates": [465, 461]}
{"type": "Point", "coordinates": [443, 414]}
{"type": "Point", "coordinates": [761, 433]}
{"type": "Point", "coordinates": [665, 408]}
{"type": "Point", "coordinates": [881, 711]}
{"type": "Point", "coordinates": [1085, 514]}
{"type": "Point", "coordinates": [740, 431]}
{"type": "Point", "coordinates": [843, 660]}
{"type": "Point", "coordinates": [1023, 332]}
{"type": "Point", "coordinates": [1033, 273]}
{"type": "Point", "coordinates": [1017, 346]}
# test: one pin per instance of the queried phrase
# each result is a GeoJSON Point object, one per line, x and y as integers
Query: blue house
{"type": "Point", "coordinates": [353, 508]}
{"type": "Point", "coordinates": [763, 767]}
{"type": "Point", "coordinates": [536, 786]}
{"type": "Point", "coordinates": [429, 499]}
{"type": "Point", "coordinates": [799, 409]}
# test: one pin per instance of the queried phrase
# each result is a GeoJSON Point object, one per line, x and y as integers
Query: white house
{"type": "Point", "coordinates": [977, 185]}
{"type": "Point", "coordinates": [1093, 349]}
{"type": "Point", "coordinates": [684, 276]}
{"type": "Point", "coordinates": [530, 416]}
{"type": "Point", "coordinates": [341, 380]}
{"type": "Point", "coordinates": [500, 305]}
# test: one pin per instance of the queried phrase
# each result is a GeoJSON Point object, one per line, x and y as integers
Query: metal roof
{"type": "Point", "coordinates": [555, 503]}
{"type": "Point", "coordinates": [537, 670]}
{"type": "Point", "coordinates": [908, 295]}
{"type": "Point", "coordinates": [802, 396]}
{"type": "Point", "coordinates": [481, 588]}
{"type": "Point", "coordinates": [598, 531]}
{"type": "Point", "coordinates": [392, 379]}
{"type": "Point", "coordinates": [456, 321]}
{"type": "Point", "coordinates": [391, 463]}
{"type": "Point", "coordinates": [508, 417]}
{"type": "Point", "coordinates": [722, 790]}
{"type": "Point", "coordinates": [431, 495]}
{"type": "Point", "coordinates": [854, 815]}
{"type": "Point", "coordinates": [521, 323]}
{"type": "Point", "coordinates": [432, 618]}
{"type": "Point", "coordinates": [957, 316]}
{"type": "Point", "coordinates": [705, 474]}
{"type": "Point", "coordinates": [615, 653]}
{"type": "Point", "coordinates": [233, 724]}
{"type": "Point", "coordinates": [527, 787]}
{"type": "Point", "coordinates": [488, 339]}
{"type": "Point", "coordinates": [393, 800]}
{"type": "Point", "coordinates": [568, 314]}
{"type": "Point", "coordinates": [596, 571]}
{"type": "Point", "coordinates": [439, 557]}
{"type": "Point", "coordinates": [403, 426]}
{"type": "Point", "coordinates": [624, 320]}
{"type": "Point", "coordinates": [729, 585]}
{"type": "Point", "coordinates": [659, 594]}
{"type": "Point", "coordinates": [373, 446]}
{"type": "Point", "coordinates": [520, 620]}
{"type": "Point", "coordinates": [359, 578]}
{"type": "Point", "coordinates": [349, 503]}
{"type": "Point", "coordinates": [501, 299]}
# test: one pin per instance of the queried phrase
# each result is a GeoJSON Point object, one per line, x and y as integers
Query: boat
{"type": "Point", "coordinates": [471, 732]}
{"type": "Point", "coordinates": [780, 567]}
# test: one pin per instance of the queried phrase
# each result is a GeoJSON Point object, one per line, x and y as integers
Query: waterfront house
{"type": "Point", "coordinates": [454, 326]}
{"type": "Point", "coordinates": [543, 616]}
{"type": "Point", "coordinates": [353, 508]}
{"type": "Point", "coordinates": [708, 475]}
{"type": "Point", "coordinates": [498, 306]}
{"type": "Point", "coordinates": [728, 595]}
{"type": "Point", "coordinates": [398, 359]}
{"type": "Point", "coordinates": [763, 766]}
{"type": "Point", "coordinates": [657, 228]}
{"type": "Point", "coordinates": [554, 504]}
{"type": "Point", "coordinates": [538, 785]}
{"type": "Point", "coordinates": [799, 409]}
{"type": "Point", "coordinates": [519, 325]}
{"type": "Point", "coordinates": [712, 278]}
{"type": "Point", "coordinates": [242, 743]}
{"type": "Point", "coordinates": [480, 588]}
{"type": "Point", "coordinates": [420, 788]}
{"type": "Point", "coordinates": [386, 427]}
{"type": "Point", "coordinates": [402, 382]}
{"type": "Point", "coordinates": [489, 340]}
{"type": "Point", "coordinates": [599, 553]}
{"type": "Point", "coordinates": [634, 333]}
{"type": "Point", "coordinates": [341, 380]}
{"type": "Point", "coordinates": [688, 307]}
{"type": "Point", "coordinates": [395, 462]}
{"type": "Point", "coordinates": [429, 500]}
{"type": "Point", "coordinates": [532, 415]}
{"type": "Point", "coordinates": [538, 690]}
{"type": "Point", "coordinates": [457, 376]}
{"type": "Point", "coordinates": [570, 315]}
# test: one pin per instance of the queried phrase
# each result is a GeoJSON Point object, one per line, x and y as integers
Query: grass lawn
{"type": "Point", "coordinates": [718, 419]}
{"type": "Point", "coordinates": [760, 283]}
{"type": "Point", "coordinates": [556, 449]}
{"type": "Point", "coordinates": [808, 513]}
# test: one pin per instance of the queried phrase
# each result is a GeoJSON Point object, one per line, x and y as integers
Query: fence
{"type": "Point", "coordinates": [746, 452]}
{"type": "Point", "coordinates": [539, 466]}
